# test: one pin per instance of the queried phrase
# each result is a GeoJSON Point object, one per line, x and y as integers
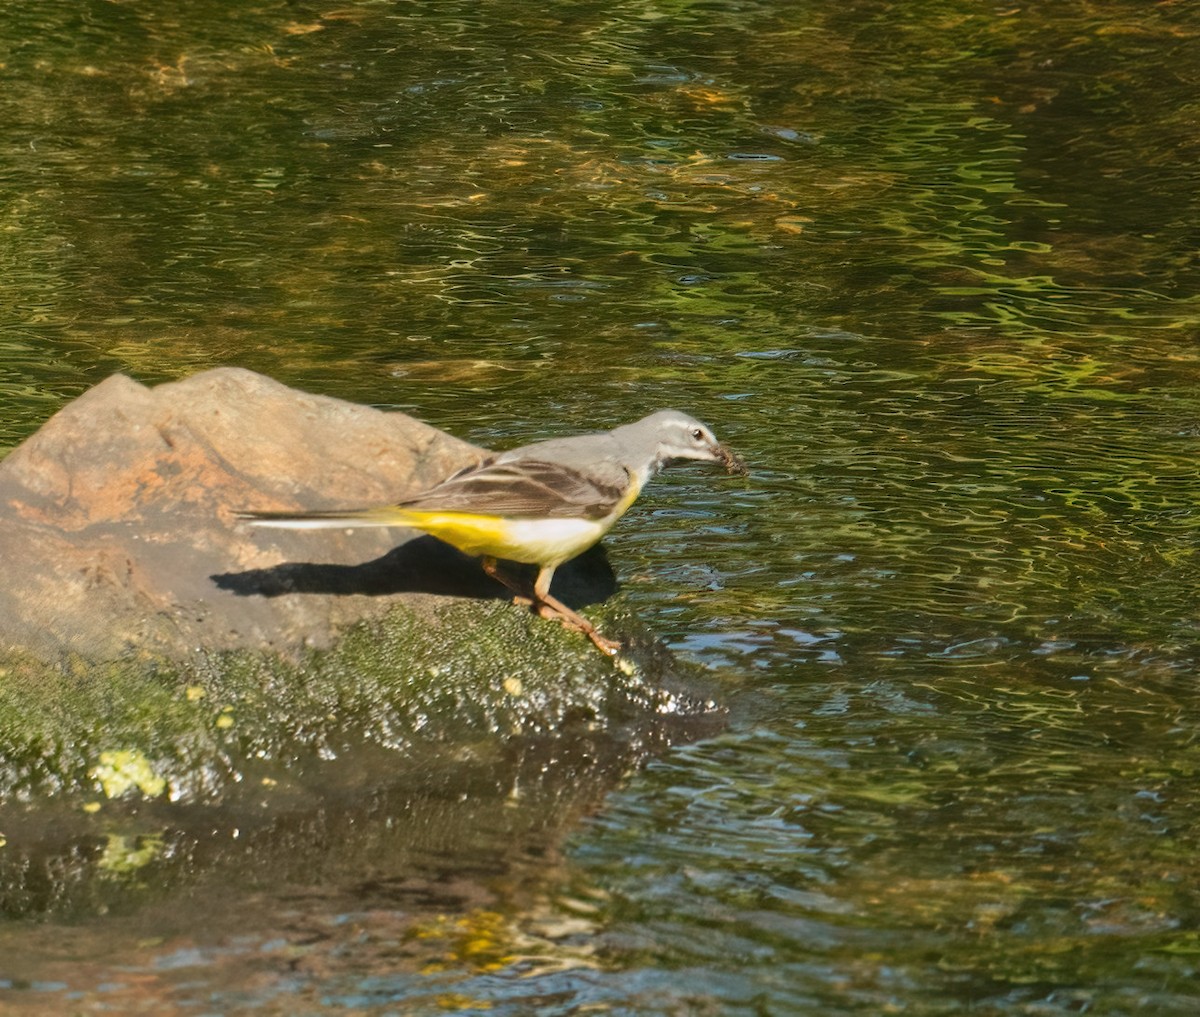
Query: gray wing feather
{"type": "Point", "coordinates": [529, 488]}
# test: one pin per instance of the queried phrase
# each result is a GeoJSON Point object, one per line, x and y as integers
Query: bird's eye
{"type": "Point", "coordinates": [697, 434]}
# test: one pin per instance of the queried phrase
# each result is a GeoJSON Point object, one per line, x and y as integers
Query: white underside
{"type": "Point", "coordinates": [551, 541]}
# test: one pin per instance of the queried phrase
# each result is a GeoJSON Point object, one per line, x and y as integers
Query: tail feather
{"type": "Point", "coordinates": [381, 516]}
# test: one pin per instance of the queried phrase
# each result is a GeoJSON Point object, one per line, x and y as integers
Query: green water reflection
{"type": "Point", "coordinates": [931, 267]}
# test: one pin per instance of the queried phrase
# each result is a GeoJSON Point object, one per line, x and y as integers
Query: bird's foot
{"type": "Point", "coordinates": [577, 623]}
{"type": "Point", "coordinates": [609, 647]}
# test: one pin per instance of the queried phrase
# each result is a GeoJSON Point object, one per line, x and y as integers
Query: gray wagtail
{"type": "Point", "coordinates": [540, 504]}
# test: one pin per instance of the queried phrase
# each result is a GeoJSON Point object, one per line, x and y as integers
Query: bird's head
{"type": "Point", "coordinates": [678, 436]}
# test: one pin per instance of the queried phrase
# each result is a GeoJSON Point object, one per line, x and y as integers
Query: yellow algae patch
{"type": "Point", "coordinates": [128, 854]}
{"type": "Point", "coordinates": [124, 770]}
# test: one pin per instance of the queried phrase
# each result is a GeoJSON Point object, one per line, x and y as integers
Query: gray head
{"type": "Point", "coordinates": [669, 434]}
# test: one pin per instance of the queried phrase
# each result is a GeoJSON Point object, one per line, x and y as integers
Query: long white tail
{"type": "Point", "coordinates": [382, 516]}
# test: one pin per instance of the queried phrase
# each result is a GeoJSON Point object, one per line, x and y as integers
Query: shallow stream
{"type": "Point", "coordinates": [930, 267]}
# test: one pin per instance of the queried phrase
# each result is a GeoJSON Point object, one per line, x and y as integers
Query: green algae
{"type": "Point", "coordinates": [450, 673]}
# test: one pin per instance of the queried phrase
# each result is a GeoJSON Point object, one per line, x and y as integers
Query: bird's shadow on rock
{"type": "Point", "coordinates": [421, 565]}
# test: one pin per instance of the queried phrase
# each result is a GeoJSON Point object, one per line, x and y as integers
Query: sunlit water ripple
{"type": "Point", "coordinates": [931, 272]}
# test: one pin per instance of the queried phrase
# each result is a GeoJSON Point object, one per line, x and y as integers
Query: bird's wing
{"type": "Point", "coordinates": [529, 488]}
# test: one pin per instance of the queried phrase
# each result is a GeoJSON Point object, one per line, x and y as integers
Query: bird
{"type": "Point", "coordinates": [539, 504]}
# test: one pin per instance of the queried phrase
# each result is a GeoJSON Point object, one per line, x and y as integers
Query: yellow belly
{"type": "Point", "coordinates": [533, 541]}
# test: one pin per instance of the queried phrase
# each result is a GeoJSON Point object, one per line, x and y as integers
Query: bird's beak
{"type": "Point", "coordinates": [730, 460]}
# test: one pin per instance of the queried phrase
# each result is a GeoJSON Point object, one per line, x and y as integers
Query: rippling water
{"type": "Point", "coordinates": [930, 268]}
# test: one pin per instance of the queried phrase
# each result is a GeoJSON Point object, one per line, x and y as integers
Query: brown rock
{"type": "Point", "coordinates": [117, 530]}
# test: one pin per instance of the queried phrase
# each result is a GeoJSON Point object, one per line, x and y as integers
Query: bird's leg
{"type": "Point", "coordinates": [492, 568]}
{"type": "Point", "coordinates": [548, 606]}
{"type": "Point", "coordinates": [544, 599]}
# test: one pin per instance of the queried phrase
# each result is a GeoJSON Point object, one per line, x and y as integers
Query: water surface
{"type": "Point", "coordinates": [931, 268]}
